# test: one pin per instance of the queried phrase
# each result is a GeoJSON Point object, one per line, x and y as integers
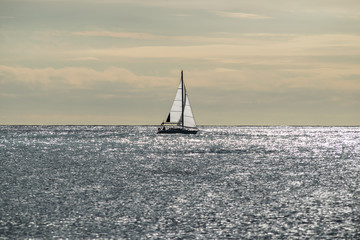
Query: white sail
{"type": "Point", "coordinates": [176, 109]}
{"type": "Point", "coordinates": [180, 118]}
{"type": "Point", "coordinates": [189, 120]}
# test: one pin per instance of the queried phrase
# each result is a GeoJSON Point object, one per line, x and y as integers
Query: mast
{"type": "Point", "coordinates": [182, 100]}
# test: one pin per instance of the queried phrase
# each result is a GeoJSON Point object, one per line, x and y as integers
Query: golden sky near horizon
{"type": "Point", "coordinates": [119, 61]}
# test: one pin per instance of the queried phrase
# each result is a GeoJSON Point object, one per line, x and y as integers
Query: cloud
{"type": "Point", "coordinates": [283, 89]}
{"type": "Point", "coordinates": [84, 59]}
{"type": "Point", "coordinates": [81, 95]}
{"type": "Point", "coordinates": [239, 15]}
{"type": "Point", "coordinates": [7, 17]}
{"type": "Point", "coordinates": [78, 78]}
{"type": "Point", "coordinates": [130, 35]}
{"type": "Point", "coordinates": [300, 45]}
{"type": "Point", "coordinates": [147, 36]}
{"type": "Point", "coordinates": [112, 80]}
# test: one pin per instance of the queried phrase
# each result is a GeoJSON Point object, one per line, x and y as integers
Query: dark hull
{"type": "Point", "coordinates": [178, 130]}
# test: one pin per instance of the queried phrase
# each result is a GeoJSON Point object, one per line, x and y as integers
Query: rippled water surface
{"type": "Point", "coordinates": [225, 182]}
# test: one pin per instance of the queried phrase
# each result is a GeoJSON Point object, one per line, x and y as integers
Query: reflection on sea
{"type": "Point", "coordinates": [224, 182]}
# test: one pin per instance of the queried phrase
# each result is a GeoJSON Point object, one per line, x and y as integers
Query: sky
{"type": "Point", "coordinates": [245, 62]}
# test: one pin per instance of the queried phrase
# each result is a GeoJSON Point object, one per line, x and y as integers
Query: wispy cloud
{"type": "Point", "coordinates": [182, 15]}
{"type": "Point", "coordinates": [7, 17]}
{"type": "Point", "coordinates": [131, 35]}
{"type": "Point", "coordinates": [239, 15]}
{"type": "Point", "coordinates": [348, 16]}
{"type": "Point", "coordinates": [84, 59]}
{"type": "Point", "coordinates": [147, 36]}
{"type": "Point", "coordinates": [301, 45]}
{"type": "Point", "coordinates": [313, 75]}
{"type": "Point", "coordinates": [77, 77]}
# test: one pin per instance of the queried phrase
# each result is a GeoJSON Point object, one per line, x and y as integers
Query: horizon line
{"type": "Point", "coordinates": [202, 125]}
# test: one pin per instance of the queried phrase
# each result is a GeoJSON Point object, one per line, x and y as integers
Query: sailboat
{"type": "Point", "coordinates": [180, 118]}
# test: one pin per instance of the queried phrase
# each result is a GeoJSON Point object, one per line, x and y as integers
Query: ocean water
{"type": "Point", "coordinates": [127, 182]}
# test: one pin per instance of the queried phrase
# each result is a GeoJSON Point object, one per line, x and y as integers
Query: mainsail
{"type": "Point", "coordinates": [180, 112]}
{"type": "Point", "coordinates": [176, 109]}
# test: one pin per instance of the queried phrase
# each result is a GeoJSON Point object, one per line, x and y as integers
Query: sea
{"type": "Point", "coordinates": [226, 182]}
